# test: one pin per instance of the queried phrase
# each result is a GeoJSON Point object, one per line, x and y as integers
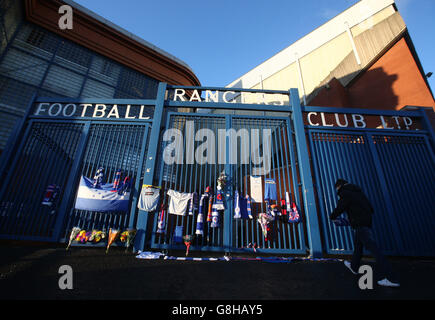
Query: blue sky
{"type": "Point", "coordinates": [222, 40]}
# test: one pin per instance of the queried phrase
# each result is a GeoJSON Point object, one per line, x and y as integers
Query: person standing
{"type": "Point", "coordinates": [359, 210]}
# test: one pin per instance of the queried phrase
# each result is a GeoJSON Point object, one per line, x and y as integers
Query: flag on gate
{"type": "Point", "coordinates": [100, 199]}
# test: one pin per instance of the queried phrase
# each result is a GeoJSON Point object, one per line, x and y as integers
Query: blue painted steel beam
{"type": "Point", "coordinates": [228, 106]}
{"type": "Point", "coordinates": [306, 178]}
{"type": "Point", "coordinates": [150, 163]}
{"type": "Point", "coordinates": [229, 89]}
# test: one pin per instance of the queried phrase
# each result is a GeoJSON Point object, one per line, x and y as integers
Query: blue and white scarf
{"type": "Point", "coordinates": [193, 203]}
{"type": "Point", "coordinates": [237, 213]}
{"type": "Point", "coordinates": [200, 218]}
{"type": "Point", "coordinates": [214, 217]}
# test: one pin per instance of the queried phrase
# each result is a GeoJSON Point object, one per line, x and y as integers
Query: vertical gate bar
{"type": "Point", "coordinates": [228, 225]}
{"type": "Point", "coordinates": [341, 159]}
{"type": "Point", "coordinates": [328, 195]}
{"type": "Point", "coordinates": [70, 182]}
{"type": "Point", "coordinates": [306, 178]}
{"type": "Point", "coordinates": [385, 193]}
{"type": "Point", "coordinates": [316, 155]}
{"type": "Point", "coordinates": [277, 179]}
{"type": "Point", "coordinates": [129, 138]}
{"type": "Point", "coordinates": [142, 220]}
{"type": "Point", "coordinates": [283, 187]}
{"type": "Point", "coordinates": [293, 185]}
{"type": "Point", "coordinates": [336, 170]}
{"type": "Point", "coordinates": [286, 183]}
{"type": "Point", "coordinates": [285, 135]}
{"type": "Point", "coordinates": [164, 168]}
{"type": "Point", "coordinates": [137, 186]}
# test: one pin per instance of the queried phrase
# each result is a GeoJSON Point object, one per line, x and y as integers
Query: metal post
{"type": "Point", "coordinates": [150, 164]}
{"type": "Point", "coordinates": [313, 229]}
{"type": "Point", "coordinates": [228, 221]}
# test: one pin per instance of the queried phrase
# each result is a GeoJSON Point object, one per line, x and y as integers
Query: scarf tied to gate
{"type": "Point", "coordinates": [248, 206]}
{"type": "Point", "coordinates": [193, 203]}
{"type": "Point", "coordinates": [293, 214]}
{"type": "Point", "coordinates": [237, 213]}
{"type": "Point", "coordinates": [161, 223]}
{"type": "Point", "coordinates": [200, 218]}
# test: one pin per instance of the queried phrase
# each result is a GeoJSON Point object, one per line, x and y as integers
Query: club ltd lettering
{"type": "Point", "coordinates": [356, 120]}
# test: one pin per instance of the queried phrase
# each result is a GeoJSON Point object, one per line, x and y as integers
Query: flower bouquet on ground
{"type": "Point", "coordinates": [74, 232]}
{"type": "Point", "coordinates": [113, 235]}
{"type": "Point", "coordinates": [83, 236]}
{"type": "Point", "coordinates": [187, 241]}
{"type": "Point", "coordinates": [128, 237]}
{"type": "Point", "coordinates": [97, 236]}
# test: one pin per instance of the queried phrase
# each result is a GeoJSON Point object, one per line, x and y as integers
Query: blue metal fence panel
{"type": "Point", "coordinates": [44, 158]}
{"type": "Point", "coordinates": [190, 177]}
{"type": "Point", "coordinates": [113, 146]}
{"type": "Point", "coordinates": [347, 155]}
{"type": "Point", "coordinates": [409, 167]}
{"type": "Point", "coordinates": [234, 235]}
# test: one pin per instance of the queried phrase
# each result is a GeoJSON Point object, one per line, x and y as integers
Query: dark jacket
{"type": "Point", "coordinates": [355, 203]}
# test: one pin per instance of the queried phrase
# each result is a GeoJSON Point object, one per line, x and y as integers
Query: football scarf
{"type": "Point", "coordinates": [210, 205]}
{"type": "Point", "coordinates": [161, 224]}
{"type": "Point", "coordinates": [214, 217]}
{"type": "Point", "coordinates": [200, 218]}
{"type": "Point", "coordinates": [219, 201]}
{"type": "Point", "coordinates": [51, 194]}
{"type": "Point", "coordinates": [248, 206]}
{"type": "Point", "coordinates": [287, 199]}
{"type": "Point", "coordinates": [117, 180]}
{"type": "Point", "coordinates": [294, 214]}
{"type": "Point", "coordinates": [193, 203]}
{"type": "Point", "coordinates": [237, 212]}
{"type": "Point", "coordinates": [283, 208]}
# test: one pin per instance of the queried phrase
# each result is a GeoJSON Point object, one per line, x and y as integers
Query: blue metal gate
{"type": "Point", "coordinates": [112, 146]}
{"type": "Point", "coordinates": [233, 235]}
{"type": "Point", "coordinates": [44, 157]}
{"type": "Point", "coordinates": [397, 172]}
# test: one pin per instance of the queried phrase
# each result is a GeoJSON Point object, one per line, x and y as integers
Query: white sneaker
{"type": "Point", "coordinates": [348, 265]}
{"type": "Point", "coordinates": [387, 283]}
